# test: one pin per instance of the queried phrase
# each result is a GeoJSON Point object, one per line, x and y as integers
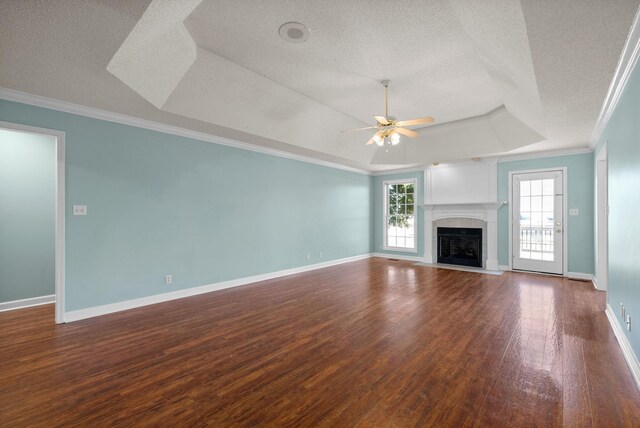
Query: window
{"type": "Point", "coordinates": [400, 215]}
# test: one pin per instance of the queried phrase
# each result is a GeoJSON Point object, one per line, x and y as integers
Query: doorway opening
{"type": "Point", "coordinates": [538, 232]}
{"type": "Point", "coordinates": [37, 238]}
{"type": "Point", "coordinates": [602, 212]}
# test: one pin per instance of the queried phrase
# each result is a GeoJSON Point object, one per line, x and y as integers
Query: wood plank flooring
{"type": "Point", "coordinates": [376, 343]}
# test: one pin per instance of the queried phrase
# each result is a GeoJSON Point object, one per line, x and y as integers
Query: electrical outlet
{"type": "Point", "coordinates": [574, 211]}
{"type": "Point", "coordinates": [308, 256]}
{"type": "Point", "coordinates": [320, 255]}
{"type": "Point", "coordinates": [629, 322]}
{"type": "Point", "coordinates": [168, 280]}
{"type": "Point", "coordinates": [621, 310]}
{"type": "Point", "coordinates": [79, 210]}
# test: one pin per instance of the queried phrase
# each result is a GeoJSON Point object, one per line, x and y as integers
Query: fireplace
{"type": "Point", "coordinates": [462, 195]}
{"type": "Point", "coordinates": [460, 246]}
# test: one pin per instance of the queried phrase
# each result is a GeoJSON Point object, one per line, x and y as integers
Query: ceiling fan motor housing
{"type": "Point", "coordinates": [389, 129]}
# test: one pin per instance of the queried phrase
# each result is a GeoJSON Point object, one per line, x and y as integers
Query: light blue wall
{"type": "Point", "coordinates": [27, 215]}
{"type": "Point", "coordinates": [161, 204]}
{"type": "Point", "coordinates": [580, 188]}
{"type": "Point", "coordinates": [378, 203]}
{"type": "Point", "coordinates": [623, 154]}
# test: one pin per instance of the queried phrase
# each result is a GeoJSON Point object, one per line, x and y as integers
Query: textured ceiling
{"type": "Point", "coordinates": [421, 47]}
{"type": "Point", "coordinates": [501, 76]}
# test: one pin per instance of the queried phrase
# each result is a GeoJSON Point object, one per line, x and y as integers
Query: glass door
{"type": "Point", "coordinates": [537, 219]}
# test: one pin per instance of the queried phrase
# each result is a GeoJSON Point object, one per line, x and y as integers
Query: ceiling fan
{"type": "Point", "coordinates": [389, 129]}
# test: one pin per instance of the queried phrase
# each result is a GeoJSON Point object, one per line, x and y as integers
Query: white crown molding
{"type": "Point", "coordinates": [626, 63]}
{"type": "Point", "coordinates": [25, 303]}
{"type": "Point", "coordinates": [462, 162]}
{"type": "Point", "coordinates": [495, 159]}
{"type": "Point", "coordinates": [398, 171]}
{"type": "Point", "coordinates": [95, 311]}
{"type": "Point", "coordinates": [625, 345]}
{"type": "Point", "coordinates": [545, 154]}
{"type": "Point", "coordinates": [67, 107]}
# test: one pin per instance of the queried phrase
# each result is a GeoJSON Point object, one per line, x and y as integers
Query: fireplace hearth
{"type": "Point", "coordinates": [460, 246]}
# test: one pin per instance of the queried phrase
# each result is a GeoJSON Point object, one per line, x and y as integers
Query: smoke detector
{"type": "Point", "coordinates": [294, 32]}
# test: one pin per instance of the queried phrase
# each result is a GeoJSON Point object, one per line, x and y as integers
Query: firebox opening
{"type": "Point", "coordinates": [460, 246]}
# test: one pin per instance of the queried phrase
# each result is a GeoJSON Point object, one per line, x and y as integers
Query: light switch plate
{"type": "Point", "coordinates": [79, 210]}
{"type": "Point", "coordinates": [574, 211]}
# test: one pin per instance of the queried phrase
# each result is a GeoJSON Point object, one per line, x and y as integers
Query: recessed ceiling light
{"type": "Point", "coordinates": [294, 32]}
{"type": "Point", "coordinates": [435, 163]}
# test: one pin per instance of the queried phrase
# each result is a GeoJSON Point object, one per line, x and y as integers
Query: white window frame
{"type": "Point", "coordinates": [385, 197]}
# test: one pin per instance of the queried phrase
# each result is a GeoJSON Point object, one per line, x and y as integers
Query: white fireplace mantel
{"type": "Point", "coordinates": [486, 211]}
{"type": "Point", "coordinates": [466, 190]}
{"type": "Point", "coordinates": [470, 206]}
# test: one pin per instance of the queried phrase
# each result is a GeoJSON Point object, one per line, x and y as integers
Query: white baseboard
{"type": "Point", "coordinates": [579, 275]}
{"type": "Point", "coordinates": [95, 311]}
{"type": "Point", "coordinates": [398, 256]}
{"type": "Point", "coordinates": [582, 276]}
{"type": "Point", "coordinates": [625, 346]}
{"type": "Point", "coordinates": [570, 275]}
{"type": "Point", "coordinates": [25, 303]}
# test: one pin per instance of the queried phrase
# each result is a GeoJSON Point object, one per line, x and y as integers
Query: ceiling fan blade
{"type": "Point", "coordinates": [411, 122]}
{"type": "Point", "coordinates": [371, 141]}
{"type": "Point", "coordinates": [406, 132]}
{"type": "Point", "coordinates": [382, 120]}
{"type": "Point", "coordinates": [359, 129]}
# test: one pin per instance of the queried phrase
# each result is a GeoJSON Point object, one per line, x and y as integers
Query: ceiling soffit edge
{"type": "Point", "coordinates": [498, 130]}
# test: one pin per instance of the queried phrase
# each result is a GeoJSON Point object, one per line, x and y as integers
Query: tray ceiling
{"type": "Point", "coordinates": [500, 77]}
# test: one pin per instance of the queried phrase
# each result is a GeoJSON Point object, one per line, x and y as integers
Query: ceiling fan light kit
{"type": "Point", "coordinates": [390, 129]}
{"type": "Point", "coordinates": [389, 138]}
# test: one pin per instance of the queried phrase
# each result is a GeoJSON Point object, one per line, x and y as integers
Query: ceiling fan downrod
{"type": "Point", "coordinates": [385, 83]}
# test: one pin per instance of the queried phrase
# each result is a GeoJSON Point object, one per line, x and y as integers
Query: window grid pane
{"type": "Point", "coordinates": [400, 216]}
{"type": "Point", "coordinates": [536, 219]}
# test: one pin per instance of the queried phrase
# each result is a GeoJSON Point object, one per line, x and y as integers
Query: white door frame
{"type": "Point", "coordinates": [59, 210]}
{"type": "Point", "coordinates": [565, 198]}
{"type": "Point", "coordinates": [602, 215]}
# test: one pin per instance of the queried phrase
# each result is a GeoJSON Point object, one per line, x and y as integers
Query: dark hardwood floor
{"type": "Point", "coordinates": [370, 343]}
